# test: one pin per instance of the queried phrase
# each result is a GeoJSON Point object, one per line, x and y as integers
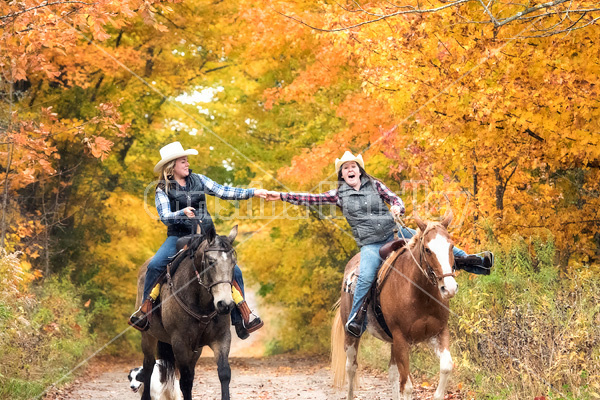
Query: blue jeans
{"type": "Point", "coordinates": [158, 265]}
{"type": "Point", "coordinates": [369, 265]}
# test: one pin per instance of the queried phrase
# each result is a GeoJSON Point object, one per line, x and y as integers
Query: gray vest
{"type": "Point", "coordinates": [366, 212]}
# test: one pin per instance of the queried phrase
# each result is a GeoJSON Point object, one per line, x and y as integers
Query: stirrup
{"type": "Point", "coordinates": [254, 324]}
{"type": "Point", "coordinates": [354, 328]}
{"type": "Point", "coordinates": [139, 323]}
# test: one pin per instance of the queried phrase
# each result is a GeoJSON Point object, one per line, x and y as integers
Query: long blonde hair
{"type": "Point", "coordinates": [165, 176]}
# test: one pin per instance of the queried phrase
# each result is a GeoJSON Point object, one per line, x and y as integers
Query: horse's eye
{"type": "Point", "coordinates": [427, 250]}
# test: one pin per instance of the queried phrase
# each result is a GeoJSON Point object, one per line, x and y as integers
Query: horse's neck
{"type": "Point", "coordinates": [186, 284]}
{"type": "Point", "coordinates": [411, 275]}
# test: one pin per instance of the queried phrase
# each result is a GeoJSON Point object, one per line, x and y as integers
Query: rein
{"type": "Point", "coordinates": [429, 273]}
{"type": "Point", "coordinates": [193, 247]}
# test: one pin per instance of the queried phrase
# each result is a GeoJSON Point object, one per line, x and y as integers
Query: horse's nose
{"type": "Point", "coordinates": [448, 293]}
{"type": "Point", "coordinates": [224, 307]}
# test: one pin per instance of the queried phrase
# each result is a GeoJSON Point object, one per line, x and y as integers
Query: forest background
{"type": "Point", "coordinates": [489, 109]}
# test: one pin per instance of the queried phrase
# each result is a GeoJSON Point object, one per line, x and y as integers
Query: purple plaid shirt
{"type": "Point", "coordinates": [331, 197]}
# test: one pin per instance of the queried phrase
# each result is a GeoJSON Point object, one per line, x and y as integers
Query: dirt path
{"type": "Point", "coordinates": [273, 378]}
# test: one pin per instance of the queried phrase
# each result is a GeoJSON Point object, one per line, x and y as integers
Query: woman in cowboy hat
{"type": "Point", "coordinates": [363, 199]}
{"type": "Point", "coordinates": [180, 198]}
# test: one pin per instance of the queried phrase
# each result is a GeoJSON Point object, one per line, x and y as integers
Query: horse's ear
{"type": "Point", "coordinates": [232, 234]}
{"type": "Point", "coordinates": [447, 218]}
{"type": "Point", "coordinates": [420, 223]}
{"type": "Point", "coordinates": [211, 234]}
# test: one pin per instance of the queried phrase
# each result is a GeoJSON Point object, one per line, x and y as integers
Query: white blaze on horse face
{"type": "Point", "coordinates": [440, 246]}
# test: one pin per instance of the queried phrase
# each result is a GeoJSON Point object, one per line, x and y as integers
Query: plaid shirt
{"type": "Point", "coordinates": [168, 217]}
{"type": "Point", "coordinates": [331, 197]}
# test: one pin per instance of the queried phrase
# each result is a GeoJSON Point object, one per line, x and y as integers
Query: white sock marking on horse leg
{"type": "Point", "coordinates": [441, 248]}
{"type": "Point", "coordinates": [408, 389]}
{"type": "Point", "coordinates": [351, 367]}
{"type": "Point", "coordinates": [445, 369]}
{"type": "Point", "coordinates": [394, 381]}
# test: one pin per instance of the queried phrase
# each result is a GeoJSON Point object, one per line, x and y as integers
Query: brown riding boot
{"type": "Point", "coordinates": [248, 325]}
{"type": "Point", "coordinates": [253, 324]}
{"type": "Point", "coordinates": [139, 319]}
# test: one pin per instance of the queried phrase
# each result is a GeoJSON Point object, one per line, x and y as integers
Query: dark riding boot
{"type": "Point", "coordinates": [480, 265]}
{"type": "Point", "coordinates": [139, 319]}
{"type": "Point", "coordinates": [356, 326]}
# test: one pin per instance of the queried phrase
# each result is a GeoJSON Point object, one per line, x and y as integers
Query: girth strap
{"type": "Point", "coordinates": [378, 312]}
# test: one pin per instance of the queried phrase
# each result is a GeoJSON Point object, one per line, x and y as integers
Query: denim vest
{"type": "Point", "coordinates": [366, 212]}
{"type": "Point", "coordinates": [191, 195]}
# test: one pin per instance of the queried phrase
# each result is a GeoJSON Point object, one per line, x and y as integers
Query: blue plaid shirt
{"type": "Point", "coordinates": [168, 217]}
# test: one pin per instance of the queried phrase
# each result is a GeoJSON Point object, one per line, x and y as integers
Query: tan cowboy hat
{"type": "Point", "coordinates": [348, 157]}
{"type": "Point", "coordinates": [171, 152]}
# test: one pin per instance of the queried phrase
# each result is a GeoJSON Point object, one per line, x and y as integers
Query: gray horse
{"type": "Point", "coordinates": [193, 313]}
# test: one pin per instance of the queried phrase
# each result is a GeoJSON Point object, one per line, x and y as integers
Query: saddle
{"type": "Point", "coordinates": [389, 252]}
{"type": "Point", "coordinates": [185, 248]}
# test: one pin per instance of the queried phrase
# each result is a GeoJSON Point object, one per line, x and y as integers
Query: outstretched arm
{"type": "Point", "coordinates": [306, 199]}
{"type": "Point", "coordinates": [229, 192]}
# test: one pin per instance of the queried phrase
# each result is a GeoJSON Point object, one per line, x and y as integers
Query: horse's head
{"type": "Point", "coordinates": [214, 261]}
{"type": "Point", "coordinates": [437, 258]}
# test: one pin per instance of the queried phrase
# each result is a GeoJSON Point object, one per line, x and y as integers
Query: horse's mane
{"type": "Point", "coordinates": [412, 242]}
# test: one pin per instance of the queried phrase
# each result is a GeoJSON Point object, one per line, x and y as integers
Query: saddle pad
{"type": "Point", "coordinates": [385, 269]}
{"type": "Point", "coordinates": [350, 282]}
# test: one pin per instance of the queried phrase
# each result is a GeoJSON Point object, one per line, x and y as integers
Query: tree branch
{"type": "Point", "coordinates": [528, 11]}
{"type": "Point", "coordinates": [494, 20]}
{"type": "Point", "coordinates": [413, 11]}
{"type": "Point", "coordinates": [17, 13]}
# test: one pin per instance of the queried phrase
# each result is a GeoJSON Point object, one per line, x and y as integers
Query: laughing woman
{"type": "Point", "coordinates": [363, 200]}
{"type": "Point", "coordinates": [180, 197]}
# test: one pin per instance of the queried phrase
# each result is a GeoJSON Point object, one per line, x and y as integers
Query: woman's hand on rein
{"type": "Point", "coordinates": [189, 212]}
{"type": "Point", "coordinates": [397, 211]}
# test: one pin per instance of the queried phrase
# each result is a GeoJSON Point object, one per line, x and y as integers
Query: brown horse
{"type": "Point", "coordinates": [414, 300]}
{"type": "Point", "coordinates": [194, 312]}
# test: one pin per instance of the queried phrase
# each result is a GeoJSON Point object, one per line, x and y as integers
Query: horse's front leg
{"type": "Point", "coordinates": [441, 347]}
{"type": "Point", "coordinates": [221, 350]}
{"type": "Point", "coordinates": [399, 371]}
{"type": "Point", "coordinates": [148, 348]}
{"type": "Point", "coordinates": [185, 360]}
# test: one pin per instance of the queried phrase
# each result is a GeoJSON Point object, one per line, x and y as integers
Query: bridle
{"type": "Point", "coordinates": [429, 272]}
{"type": "Point", "coordinates": [199, 247]}
{"type": "Point", "coordinates": [204, 266]}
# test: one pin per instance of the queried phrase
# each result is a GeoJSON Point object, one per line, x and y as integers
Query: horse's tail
{"type": "Point", "coordinates": [338, 355]}
{"type": "Point", "coordinates": [165, 353]}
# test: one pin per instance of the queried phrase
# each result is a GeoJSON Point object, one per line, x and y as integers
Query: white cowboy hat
{"type": "Point", "coordinates": [348, 157]}
{"type": "Point", "coordinates": [171, 152]}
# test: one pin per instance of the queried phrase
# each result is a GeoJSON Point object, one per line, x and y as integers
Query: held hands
{"type": "Point", "coordinates": [262, 193]}
{"type": "Point", "coordinates": [268, 195]}
{"type": "Point", "coordinates": [273, 196]}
